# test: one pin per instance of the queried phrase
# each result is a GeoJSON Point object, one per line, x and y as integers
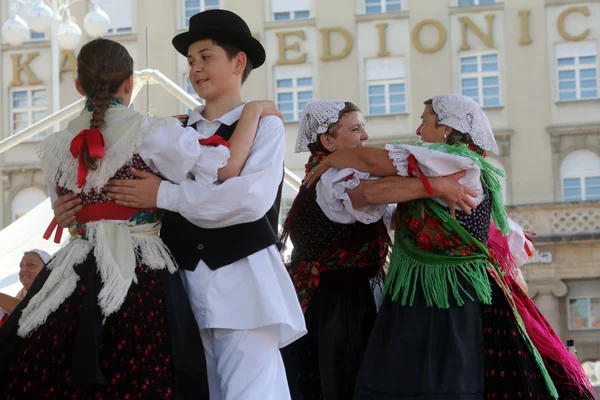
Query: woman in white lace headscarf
{"type": "Point", "coordinates": [337, 252]}
{"type": "Point", "coordinates": [448, 326]}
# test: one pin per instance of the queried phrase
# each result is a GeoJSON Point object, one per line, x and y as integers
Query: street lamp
{"type": "Point", "coordinates": [57, 18]}
{"type": "Point", "coordinates": [42, 18]}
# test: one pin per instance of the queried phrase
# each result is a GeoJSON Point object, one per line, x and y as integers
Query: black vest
{"type": "Point", "coordinates": [220, 246]}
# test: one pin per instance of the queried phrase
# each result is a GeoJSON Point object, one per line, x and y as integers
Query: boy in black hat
{"type": "Point", "coordinates": [225, 235]}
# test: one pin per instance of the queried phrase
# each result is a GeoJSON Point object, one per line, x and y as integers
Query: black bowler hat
{"type": "Point", "coordinates": [225, 27]}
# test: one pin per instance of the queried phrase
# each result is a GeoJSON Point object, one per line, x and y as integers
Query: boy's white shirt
{"type": "Point", "coordinates": [255, 291]}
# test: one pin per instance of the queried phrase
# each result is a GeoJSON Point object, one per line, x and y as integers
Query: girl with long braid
{"type": "Point", "coordinates": [108, 317]}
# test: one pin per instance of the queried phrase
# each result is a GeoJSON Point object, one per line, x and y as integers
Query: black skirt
{"type": "Point", "coordinates": [150, 348]}
{"type": "Point", "coordinates": [471, 352]}
{"type": "Point", "coordinates": [324, 364]}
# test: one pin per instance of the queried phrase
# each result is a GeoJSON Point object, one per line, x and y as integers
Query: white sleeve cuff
{"type": "Point", "coordinates": [335, 202]}
{"type": "Point", "coordinates": [168, 196]}
{"type": "Point", "coordinates": [398, 154]}
{"type": "Point", "coordinates": [211, 159]}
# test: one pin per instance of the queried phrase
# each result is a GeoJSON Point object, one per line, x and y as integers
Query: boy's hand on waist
{"type": "Point", "coordinates": [135, 193]}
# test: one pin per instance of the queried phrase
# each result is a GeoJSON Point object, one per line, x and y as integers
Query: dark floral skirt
{"type": "Point", "coordinates": [149, 349]}
{"type": "Point", "coordinates": [471, 352]}
{"type": "Point", "coordinates": [324, 364]}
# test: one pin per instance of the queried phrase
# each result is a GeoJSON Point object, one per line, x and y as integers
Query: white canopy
{"type": "Point", "coordinates": [23, 235]}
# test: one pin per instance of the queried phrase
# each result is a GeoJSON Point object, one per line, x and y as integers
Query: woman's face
{"type": "Point", "coordinates": [31, 265]}
{"type": "Point", "coordinates": [429, 130]}
{"type": "Point", "coordinates": [349, 132]}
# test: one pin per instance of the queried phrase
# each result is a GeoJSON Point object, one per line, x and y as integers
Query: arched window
{"type": "Point", "coordinates": [26, 200]}
{"type": "Point", "coordinates": [580, 176]}
{"type": "Point", "coordinates": [499, 165]}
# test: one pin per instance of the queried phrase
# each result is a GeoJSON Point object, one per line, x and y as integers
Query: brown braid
{"type": "Point", "coordinates": [102, 67]}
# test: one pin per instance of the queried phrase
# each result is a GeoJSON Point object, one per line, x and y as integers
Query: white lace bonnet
{"type": "Point", "coordinates": [465, 115]}
{"type": "Point", "coordinates": [43, 255]}
{"type": "Point", "coordinates": [316, 118]}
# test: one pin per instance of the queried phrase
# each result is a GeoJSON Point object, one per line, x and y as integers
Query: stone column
{"type": "Point", "coordinates": [546, 296]}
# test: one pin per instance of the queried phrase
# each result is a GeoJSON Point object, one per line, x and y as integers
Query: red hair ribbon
{"type": "Point", "coordinates": [93, 139]}
{"type": "Point", "coordinates": [214, 140]}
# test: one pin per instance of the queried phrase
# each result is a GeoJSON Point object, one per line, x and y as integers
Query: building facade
{"type": "Point", "coordinates": [533, 66]}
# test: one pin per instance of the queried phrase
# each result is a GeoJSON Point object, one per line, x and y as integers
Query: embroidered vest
{"type": "Point", "coordinates": [219, 247]}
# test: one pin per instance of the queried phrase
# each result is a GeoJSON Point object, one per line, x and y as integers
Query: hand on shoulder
{"type": "Point", "coordinates": [263, 108]}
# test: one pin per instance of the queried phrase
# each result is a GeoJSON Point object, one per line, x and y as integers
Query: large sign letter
{"type": "Point", "coordinates": [417, 31]}
{"type": "Point", "coordinates": [560, 24]}
{"type": "Point", "coordinates": [383, 51]}
{"type": "Point", "coordinates": [68, 62]}
{"type": "Point", "coordinates": [19, 67]}
{"type": "Point", "coordinates": [327, 56]}
{"type": "Point", "coordinates": [525, 36]}
{"type": "Point", "coordinates": [284, 48]}
{"type": "Point", "coordinates": [467, 23]}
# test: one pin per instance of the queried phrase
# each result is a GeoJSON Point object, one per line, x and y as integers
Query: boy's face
{"type": "Point", "coordinates": [212, 73]}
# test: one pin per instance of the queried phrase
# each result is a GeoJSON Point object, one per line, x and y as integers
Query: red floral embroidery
{"type": "Point", "coordinates": [430, 235]}
{"type": "Point", "coordinates": [306, 275]}
{"type": "Point", "coordinates": [416, 225]}
{"type": "Point", "coordinates": [424, 241]}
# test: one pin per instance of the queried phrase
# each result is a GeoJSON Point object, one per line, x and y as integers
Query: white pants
{"type": "Point", "coordinates": [245, 364]}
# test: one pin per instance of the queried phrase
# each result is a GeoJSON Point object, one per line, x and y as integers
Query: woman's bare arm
{"type": "Point", "coordinates": [365, 159]}
{"type": "Point", "coordinates": [243, 136]}
{"type": "Point", "coordinates": [9, 303]}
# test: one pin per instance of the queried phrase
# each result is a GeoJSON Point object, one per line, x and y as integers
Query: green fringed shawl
{"type": "Point", "coordinates": [438, 275]}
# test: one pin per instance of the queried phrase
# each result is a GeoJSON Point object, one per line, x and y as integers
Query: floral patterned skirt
{"type": "Point", "coordinates": [138, 352]}
{"type": "Point", "coordinates": [471, 352]}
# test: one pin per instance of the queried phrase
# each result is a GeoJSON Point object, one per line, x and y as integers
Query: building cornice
{"type": "Point", "coordinates": [8, 168]}
{"type": "Point", "coordinates": [297, 23]}
{"type": "Point", "coordinates": [473, 9]}
{"type": "Point", "coordinates": [382, 16]}
{"type": "Point", "coordinates": [551, 3]}
{"type": "Point", "coordinates": [564, 130]}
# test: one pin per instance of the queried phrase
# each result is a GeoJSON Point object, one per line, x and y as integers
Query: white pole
{"type": "Point", "coordinates": [55, 60]}
{"type": "Point", "coordinates": [42, 125]}
{"type": "Point", "coordinates": [292, 180]}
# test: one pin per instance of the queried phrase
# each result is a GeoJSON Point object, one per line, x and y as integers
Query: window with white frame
{"type": "Point", "coordinates": [584, 312]}
{"type": "Point", "coordinates": [121, 16]}
{"type": "Point", "coordinates": [386, 85]}
{"type": "Point", "coordinates": [27, 106]}
{"type": "Point", "coordinates": [287, 10]}
{"type": "Point", "coordinates": [577, 71]}
{"type": "Point", "coordinates": [382, 6]}
{"type": "Point", "coordinates": [480, 78]}
{"type": "Point", "coordinates": [580, 176]}
{"type": "Point", "coordinates": [293, 89]}
{"type": "Point", "coordinates": [193, 7]}
{"type": "Point", "coordinates": [22, 9]}
{"type": "Point", "coordinates": [464, 3]}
